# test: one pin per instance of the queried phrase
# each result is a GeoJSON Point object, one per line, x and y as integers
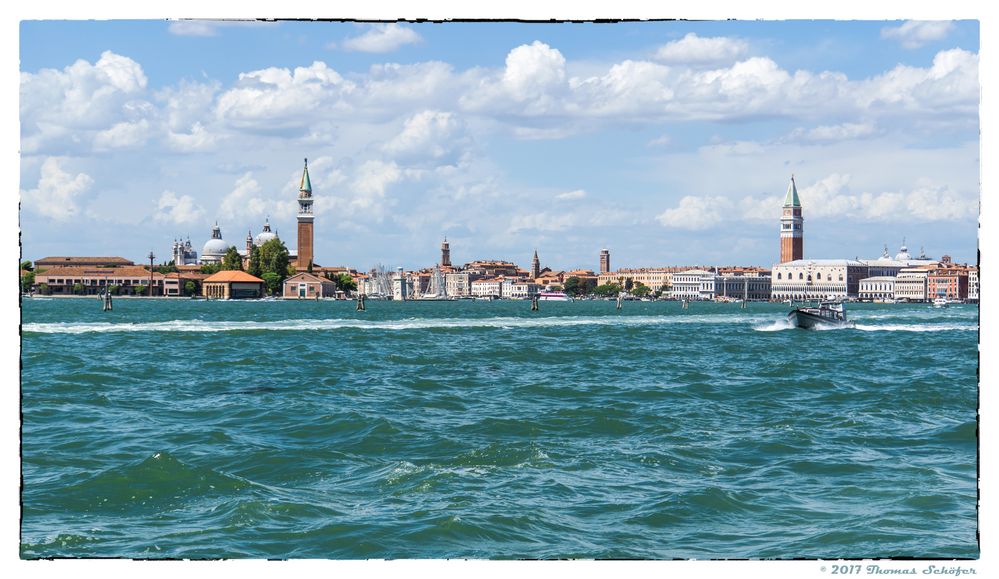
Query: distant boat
{"type": "Point", "coordinates": [828, 314]}
{"type": "Point", "coordinates": [940, 302]}
{"type": "Point", "coordinates": [553, 297]}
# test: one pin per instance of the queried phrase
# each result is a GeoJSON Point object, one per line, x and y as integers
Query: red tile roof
{"type": "Point", "coordinates": [230, 276]}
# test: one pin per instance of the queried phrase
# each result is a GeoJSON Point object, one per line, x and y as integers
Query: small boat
{"type": "Point", "coordinates": [940, 302]}
{"type": "Point", "coordinates": [828, 314]}
{"type": "Point", "coordinates": [553, 297]}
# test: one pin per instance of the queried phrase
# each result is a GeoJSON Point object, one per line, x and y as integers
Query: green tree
{"type": "Point", "coordinates": [138, 289]}
{"type": "Point", "coordinates": [167, 268]}
{"type": "Point", "coordinates": [573, 286]}
{"type": "Point", "coordinates": [345, 283]}
{"type": "Point", "coordinates": [78, 288]}
{"type": "Point", "coordinates": [210, 268]}
{"type": "Point", "coordinates": [607, 290]}
{"type": "Point", "coordinates": [232, 261]}
{"type": "Point", "coordinates": [309, 268]}
{"type": "Point", "coordinates": [272, 282]}
{"type": "Point", "coordinates": [115, 290]}
{"type": "Point", "coordinates": [274, 258]}
{"type": "Point", "coordinates": [189, 288]}
{"type": "Point", "coordinates": [43, 288]}
{"type": "Point", "coordinates": [628, 284]}
{"type": "Point", "coordinates": [27, 280]}
{"type": "Point", "coordinates": [254, 268]}
{"type": "Point", "coordinates": [641, 290]}
{"type": "Point", "coordinates": [26, 265]}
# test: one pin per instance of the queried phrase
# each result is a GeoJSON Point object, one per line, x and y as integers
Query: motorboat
{"type": "Point", "coordinates": [553, 297]}
{"type": "Point", "coordinates": [827, 315]}
{"type": "Point", "coordinates": [940, 302]}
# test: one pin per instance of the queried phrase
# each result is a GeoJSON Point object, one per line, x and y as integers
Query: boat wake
{"type": "Point", "coordinates": [775, 326]}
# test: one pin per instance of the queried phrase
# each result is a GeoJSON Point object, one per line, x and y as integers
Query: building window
{"type": "Point", "coordinates": [801, 275]}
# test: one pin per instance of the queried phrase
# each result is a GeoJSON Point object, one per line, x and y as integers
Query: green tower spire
{"type": "Point", "coordinates": [792, 195]}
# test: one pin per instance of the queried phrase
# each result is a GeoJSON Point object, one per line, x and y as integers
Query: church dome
{"type": "Point", "coordinates": [216, 246]}
{"type": "Point", "coordinates": [903, 253]}
{"type": "Point", "coordinates": [265, 235]}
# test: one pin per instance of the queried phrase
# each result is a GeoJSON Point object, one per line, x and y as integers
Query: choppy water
{"type": "Point", "coordinates": [283, 429]}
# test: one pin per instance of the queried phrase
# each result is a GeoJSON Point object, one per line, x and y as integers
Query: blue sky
{"type": "Point", "coordinates": [667, 142]}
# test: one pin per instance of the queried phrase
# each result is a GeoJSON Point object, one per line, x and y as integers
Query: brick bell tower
{"type": "Point", "coordinates": [305, 219]}
{"type": "Point", "coordinates": [792, 240]}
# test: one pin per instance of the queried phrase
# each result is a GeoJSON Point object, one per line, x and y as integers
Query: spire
{"type": "Point", "coordinates": [306, 183]}
{"type": "Point", "coordinates": [791, 200]}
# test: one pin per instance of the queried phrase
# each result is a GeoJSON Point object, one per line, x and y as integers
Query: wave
{"type": "Point", "coordinates": [780, 325]}
{"type": "Point", "coordinates": [405, 324]}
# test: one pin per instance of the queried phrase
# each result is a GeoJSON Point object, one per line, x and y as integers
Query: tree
{"type": "Point", "coordinates": [274, 258]}
{"type": "Point", "coordinates": [43, 288]}
{"type": "Point", "coordinates": [138, 289]}
{"type": "Point", "coordinates": [573, 286]}
{"type": "Point", "coordinates": [232, 261]}
{"type": "Point", "coordinates": [26, 265]}
{"type": "Point", "coordinates": [641, 290]}
{"type": "Point", "coordinates": [272, 281]}
{"type": "Point", "coordinates": [167, 268]}
{"type": "Point", "coordinates": [254, 268]}
{"type": "Point", "coordinates": [115, 290]}
{"type": "Point", "coordinates": [189, 288]}
{"type": "Point", "coordinates": [78, 288]}
{"type": "Point", "coordinates": [607, 290]}
{"type": "Point", "coordinates": [345, 283]}
{"type": "Point", "coordinates": [628, 283]}
{"type": "Point", "coordinates": [309, 268]}
{"type": "Point", "coordinates": [27, 280]}
{"type": "Point", "coordinates": [210, 268]}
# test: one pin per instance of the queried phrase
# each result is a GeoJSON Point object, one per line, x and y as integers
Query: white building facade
{"type": "Point", "coordinates": [910, 284]}
{"type": "Point", "coordinates": [817, 279]}
{"type": "Point", "coordinates": [973, 285]}
{"type": "Point", "coordinates": [751, 287]}
{"type": "Point", "coordinates": [689, 285]}
{"type": "Point", "coordinates": [877, 288]}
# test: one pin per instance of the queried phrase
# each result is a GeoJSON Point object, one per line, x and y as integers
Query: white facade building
{"type": "Point", "coordinates": [816, 279]}
{"type": "Point", "coordinates": [910, 284]}
{"type": "Point", "coordinates": [973, 285]}
{"type": "Point", "coordinates": [400, 285]}
{"type": "Point", "coordinates": [752, 287]}
{"type": "Point", "coordinates": [687, 285]}
{"type": "Point", "coordinates": [877, 288]}
{"type": "Point", "coordinates": [487, 287]}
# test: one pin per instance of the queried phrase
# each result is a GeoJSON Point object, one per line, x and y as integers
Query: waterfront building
{"type": "Point", "coordinates": [232, 285]}
{"type": "Point", "coordinates": [948, 280]}
{"type": "Point", "coordinates": [877, 288]}
{"type": "Point", "coordinates": [491, 286]}
{"type": "Point", "coordinates": [889, 266]}
{"type": "Point", "coordinates": [687, 285]}
{"type": "Point", "coordinates": [304, 253]}
{"type": "Point", "coordinates": [174, 282]}
{"type": "Point", "coordinates": [520, 289]}
{"type": "Point", "coordinates": [605, 265]}
{"type": "Point", "coordinates": [183, 253]}
{"type": "Point", "coordinates": [816, 279]}
{"type": "Point", "coordinates": [445, 254]}
{"type": "Point", "coordinates": [791, 227]}
{"type": "Point", "coordinates": [305, 285]}
{"type": "Point", "coordinates": [910, 284]}
{"type": "Point", "coordinates": [535, 266]}
{"type": "Point", "coordinates": [493, 268]}
{"type": "Point", "coordinates": [749, 283]}
{"type": "Point", "coordinates": [92, 280]}
{"type": "Point", "coordinates": [215, 248]}
{"type": "Point", "coordinates": [82, 261]}
{"type": "Point", "coordinates": [973, 284]}
{"type": "Point", "coordinates": [401, 286]}
{"type": "Point", "coordinates": [656, 278]}
{"type": "Point", "coordinates": [550, 279]}
{"type": "Point", "coordinates": [459, 283]}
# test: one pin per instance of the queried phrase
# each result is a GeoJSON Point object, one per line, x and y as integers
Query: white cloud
{"type": "Point", "coordinates": [382, 38]}
{"type": "Point", "coordinates": [199, 139]}
{"type": "Point", "coordinates": [831, 133]}
{"type": "Point", "coordinates": [693, 49]}
{"type": "Point", "coordinates": [57, 192]}
{"type": "Point", "coordinates": [915, 33]}
{"type": "Point", "coordinates": [949, 85]}
{"type": "Point", "coordinates": [122, 135]}
{"type": "Point", "coordinates": [661, 141]}
{"type": "Point", "coordinates": [246, 202]}
{"type": "Point", "coordinates": [695, 213]}
{"type": "Point", "coordinates": [207, 27]}
{"type": "Point", "coordinates": [533, 82]}
{"type": "Point", "coordinates": [177, 210]}
{"type": "Point", "coordinates": [426, 134]}
{"type": "Point", "coordinates": [570, 195]}
{"type": "Point", "coordinates": [278, 98]}
{"type": "Point", "coordinates": [59, 107]}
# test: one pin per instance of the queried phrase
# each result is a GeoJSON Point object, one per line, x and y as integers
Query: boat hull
{"type": "Point", "coordinates": [810, 321]}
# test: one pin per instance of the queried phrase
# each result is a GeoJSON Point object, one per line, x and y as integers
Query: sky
{"type": "Point", "coordinates": [668, 142]}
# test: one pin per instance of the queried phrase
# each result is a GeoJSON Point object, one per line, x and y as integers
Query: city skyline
{"type": "Point", "coordinates": [665, 142]}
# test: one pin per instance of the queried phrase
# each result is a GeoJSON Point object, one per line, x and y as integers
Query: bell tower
{"type": "Point", "coordinates": [445, 254]}
{"type": "Point", "coordinates": [791, 233]}
{"type": "Point", "coordinates": [305, 219]}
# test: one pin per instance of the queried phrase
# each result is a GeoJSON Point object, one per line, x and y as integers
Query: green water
{"type": "Point", "coordinates": [482, 430]}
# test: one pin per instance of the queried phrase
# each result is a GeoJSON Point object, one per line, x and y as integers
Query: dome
{"type": "Point", "coordinates": [903, 254]}
{"type": "Point", "coordinates": [215, 247]}
{"type": "Point", "coordinates": [265, 235]}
